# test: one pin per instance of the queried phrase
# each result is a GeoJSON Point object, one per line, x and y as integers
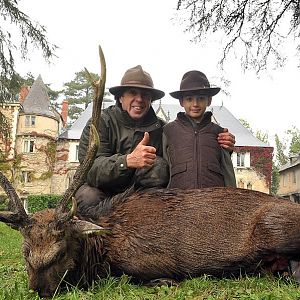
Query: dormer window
{"type": "Point", "coordinates": [30, 121]}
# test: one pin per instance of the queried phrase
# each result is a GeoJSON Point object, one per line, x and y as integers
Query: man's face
{"type": "Point", "coordinates": [195, 105]}
{"type": "Point", "coordinates": [136, 102]}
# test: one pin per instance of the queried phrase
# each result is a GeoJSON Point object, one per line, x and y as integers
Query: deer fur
{"type": "Point", "coordinates": [160, 233]}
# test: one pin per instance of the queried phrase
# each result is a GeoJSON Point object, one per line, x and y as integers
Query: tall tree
{"type": "Point", "coordinates": [26, 33]}
{"type": "Point", "coordinates": [12, 43]}
{"type": "Point", "coordinates": [79, 93]}
{"type": "Point", "coordinates": [294, 147]}
{"type": "Point", "coordinates": [275, 179]}
{"type": "Point", "coordinates": [256, 28]}
{"type": "Point", "coordinates": [262, 136]}
{"type": "Point", "coordinates": [281, 157]}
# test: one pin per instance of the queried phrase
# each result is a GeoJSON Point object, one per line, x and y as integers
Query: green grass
{"type": "Point", "coordinates": [13, 283]}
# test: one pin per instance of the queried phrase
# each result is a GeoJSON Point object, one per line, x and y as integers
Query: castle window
{"type": "Point", "coordinates": [28, 146]}
{"type": "Point", "coordinates": [26, 176]}
{"type": "Point", "coordinates": [29, 121]}
{"type": "Point", "coordinates": [240, 159]}
{"type": "Point", "coordinates": [294, 177]}
{"type": "Point", "coordinates": [76, 152]}
{"type": "Point", "coordinates": [249, 186]}
{"type": "Point", "coordinates": [241, 184]}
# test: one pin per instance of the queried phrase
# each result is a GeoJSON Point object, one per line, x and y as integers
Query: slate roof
{"type": "Point", "coordinates": [294, 161]}
{"type": "Point", "coordinates": [221, 115]}
{"type": "Point", "coordinates": [37, 101]}
{"type": "Point", "coordinates": [243, 136]}
{"type": "Point", "coordinates": [74, 132]}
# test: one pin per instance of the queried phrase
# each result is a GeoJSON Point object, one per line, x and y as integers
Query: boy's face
{"type": "Point", "coordinates": [195, 105]}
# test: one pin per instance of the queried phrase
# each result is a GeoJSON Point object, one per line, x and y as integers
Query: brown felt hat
{"type": "Point", "coordinates": [197, 83]}
{"type": "Point", "coordinates": [138, 78]}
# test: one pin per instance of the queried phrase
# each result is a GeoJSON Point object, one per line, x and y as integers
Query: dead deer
{"type": "Point", "coordinates": [152, 234]}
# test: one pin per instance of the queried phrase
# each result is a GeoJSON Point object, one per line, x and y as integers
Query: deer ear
{"type": "Point", "coordinates": [85, 228]}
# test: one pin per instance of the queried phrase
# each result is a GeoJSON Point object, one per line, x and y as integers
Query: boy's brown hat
{"type": "Point", "coordinates": [197, 83]}
{"type": "Point", "coordinates": [138, 78]}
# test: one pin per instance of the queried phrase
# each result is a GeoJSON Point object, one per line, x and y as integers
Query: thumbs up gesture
{"type": "Point", "coordinates": [143, 155]}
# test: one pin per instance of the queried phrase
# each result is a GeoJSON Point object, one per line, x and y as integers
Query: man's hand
{"type": "Point", "coordinates": [143, 155]}
{"type": "Point", "coordinates": [226, 140]}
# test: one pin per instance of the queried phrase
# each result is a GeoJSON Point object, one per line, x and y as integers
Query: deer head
{"type": "Point", "coordinates": [50, 235]}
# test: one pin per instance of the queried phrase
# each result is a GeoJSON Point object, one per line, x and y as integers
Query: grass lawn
{"type": "Point", "coordinates": [13, 283]}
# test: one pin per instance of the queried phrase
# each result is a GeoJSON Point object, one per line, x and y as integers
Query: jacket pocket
{"type": "Point", "coordinates": [179, 168]}
{"type": "Point", "coordinates": [214, 168]}
{"type": "Point", "coordinates": [178, 176]}
{"type": "Point", "coordinates": [214, 176]}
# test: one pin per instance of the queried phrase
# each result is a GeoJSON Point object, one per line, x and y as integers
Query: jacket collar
{"type": "Point", "coordinates": [190, 121]}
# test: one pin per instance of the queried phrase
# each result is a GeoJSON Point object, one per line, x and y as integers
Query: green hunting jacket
{"type": "Point", "coordinates": [119, 135]}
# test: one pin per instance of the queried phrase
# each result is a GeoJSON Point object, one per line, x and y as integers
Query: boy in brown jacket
{"type": "Point", "coordinates": [191, 145]}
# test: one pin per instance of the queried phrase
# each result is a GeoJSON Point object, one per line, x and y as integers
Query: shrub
{"type": "Point", "coordinates": [40, 202]}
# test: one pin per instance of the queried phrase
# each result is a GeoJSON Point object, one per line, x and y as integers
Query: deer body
{"type": "Point", "coordinates": [176, 234]}
{"type": "Point", "coordinates": [163, 233]}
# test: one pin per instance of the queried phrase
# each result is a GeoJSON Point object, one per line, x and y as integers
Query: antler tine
{"type": "Point", "coordinates": [19, 216]}
{"type": "Point", "coordinates": [94, 140]}
{"type": "Point", "coordinates": [99, 90]}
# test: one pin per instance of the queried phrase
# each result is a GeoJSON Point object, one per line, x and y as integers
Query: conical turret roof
{"type": "Point", "coordinates": [37, 100]}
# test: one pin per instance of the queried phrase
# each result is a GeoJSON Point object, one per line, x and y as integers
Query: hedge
{"type": "Point", "coordinates": [40, 202]}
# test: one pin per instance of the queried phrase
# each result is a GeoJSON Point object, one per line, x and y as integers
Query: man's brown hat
{"type": "Point", "coordinates": [138, 78]}
{"type": "Point", "coordinates": [197, 83]}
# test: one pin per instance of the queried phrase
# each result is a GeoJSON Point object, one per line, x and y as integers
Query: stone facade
{"type": "Point", "coordinates": [10, 112]}
{"type": "Point", "coordinates": [289, 179]}
{"type": "Point", "coordinates": [65, 166]}
{"type": "Point", "coordinates": [31, 150]}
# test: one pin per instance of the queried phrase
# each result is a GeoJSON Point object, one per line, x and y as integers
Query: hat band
{"type": "Point", "coordinates": [136, 82]}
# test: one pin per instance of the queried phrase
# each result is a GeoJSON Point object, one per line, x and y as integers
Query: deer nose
{"type": "Point", "coordinates": [43, 290]}
{"type": "Point", "coordinates": [44, 293]}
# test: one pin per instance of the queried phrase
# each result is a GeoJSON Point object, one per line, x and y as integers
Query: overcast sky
{"type": "Point", "coordinates": [133, 32]}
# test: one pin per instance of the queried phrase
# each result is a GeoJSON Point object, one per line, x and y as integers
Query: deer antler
{"type": "Point", "coordinates": [18, 217]}
{"type": "Point", "coordinates": [94, 142]}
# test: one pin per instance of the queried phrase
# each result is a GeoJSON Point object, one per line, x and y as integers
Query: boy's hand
{"type": "Point", "coordinates": [143, 155]}
{"type": "Point", "coordinates": [226, 140]}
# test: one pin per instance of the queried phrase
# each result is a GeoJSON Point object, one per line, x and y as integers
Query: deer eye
{"type": "Point", "coordinates": [59, 256]}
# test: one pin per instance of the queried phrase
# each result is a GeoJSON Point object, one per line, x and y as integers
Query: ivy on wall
{"type": "Point", "coordinates": [50, 150]}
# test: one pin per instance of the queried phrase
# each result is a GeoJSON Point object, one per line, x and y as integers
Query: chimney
{"type": "Point", "coordinates": [23, 93]}
{"type": "Point", "coordinates": [64, 112]}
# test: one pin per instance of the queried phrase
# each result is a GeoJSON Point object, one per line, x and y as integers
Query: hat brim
{"type": "Point", "coordinates": [118, 90]}
{"type": "Point", "coordinates": [212, 91]}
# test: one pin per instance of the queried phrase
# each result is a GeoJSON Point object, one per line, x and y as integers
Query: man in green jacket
{"type": "Point", "coordinates": [130, 143]}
